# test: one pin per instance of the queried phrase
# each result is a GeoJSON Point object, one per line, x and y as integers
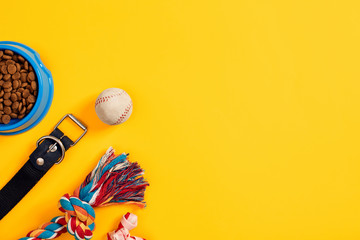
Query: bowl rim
{"type": "Point", "coordinates": [34, 64]}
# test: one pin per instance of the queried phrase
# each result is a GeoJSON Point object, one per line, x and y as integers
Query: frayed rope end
{"type": "Point", "coordinates": [115, 180]}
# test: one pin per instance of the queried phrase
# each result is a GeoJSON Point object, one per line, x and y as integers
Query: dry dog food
{"type": "Point", "coordinates": [18, 86]}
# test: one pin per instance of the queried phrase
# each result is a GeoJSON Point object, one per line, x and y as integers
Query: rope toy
{"type": "Point", "coordinates": [79, 216]}
{"type": "Point", "coordinates": [50, 230]}
{"type": "Point", "coordinates": [114, 180]}
{"type": "Point", "coordinates": [128, 222]}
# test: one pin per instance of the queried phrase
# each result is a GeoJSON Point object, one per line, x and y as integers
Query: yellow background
{"type": "Point", "coordinates": [246, 113]}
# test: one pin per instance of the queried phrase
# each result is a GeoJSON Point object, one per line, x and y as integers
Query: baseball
{"type": "Point", "coordinates": [113, 106]}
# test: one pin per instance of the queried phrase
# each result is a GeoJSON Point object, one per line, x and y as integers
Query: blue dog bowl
{"type": "Point", "coordinates": [45, 90]}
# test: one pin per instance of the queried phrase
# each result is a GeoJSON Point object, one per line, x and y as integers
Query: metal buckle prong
{"type": "Point", "coordinates": [52, 147]}
{"type": "Point", "coordinates": [57, 141]}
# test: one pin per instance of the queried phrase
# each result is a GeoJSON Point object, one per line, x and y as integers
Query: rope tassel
{"type": "Point", "coordinates": [115, 180]}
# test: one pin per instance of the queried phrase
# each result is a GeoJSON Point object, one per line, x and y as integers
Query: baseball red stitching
{"type": "Point", "coordinates": [106, 98]}
{"type": "Point", "coordinates": [126, 111]}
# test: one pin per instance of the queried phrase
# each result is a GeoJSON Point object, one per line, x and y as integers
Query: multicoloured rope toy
{"type": "Point", "coordinates": [115, 180]}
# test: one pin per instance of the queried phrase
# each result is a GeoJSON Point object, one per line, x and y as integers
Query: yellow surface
{"type": "Point", "coordinates": [246, 113]}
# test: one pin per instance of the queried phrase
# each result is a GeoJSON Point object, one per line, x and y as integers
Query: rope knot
{"type": "Point", "coordinates": [128, 222]}
{"type": "Point", "coordinates": [79, 216]}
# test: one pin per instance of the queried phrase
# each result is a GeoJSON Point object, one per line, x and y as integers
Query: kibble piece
{"type": "Point", "coordinates": [31, 76]}
{"type": "Point", "coordinates": [23, 101]}
{"type": "Point", "coordinates": [33, 85]}
{"type": "Point", "coordinates": [21, 116]}
{"type": "Point", "coordinates": [23, 85]}
{"type": "Point", "coordinates": [7, 85]}
{"type": "Point", "coordinates": [20, 106]}
{"type": "Point", "coordinates": [7, 77]}
{"type": "Point", "coordinates": [13, 115]}
{"type": "Point", "coordinates": [3, 69]}
{"type": "Point", "coordinates": [11, 68]}
{"type": "Point", "coordinates": [1, 82]}
{"type": "Point", "coordinates": [31, 99]}
{"type": "Point", "coordinates": [7, 102]}
{"type": "Point", "coordinates": [7, 110]}
{"type": "Point", "coordinates": [1, 76]}
{"type": "Point", "coordinates": [1, 53]}
{"type": "Point", "coordinates": [16, 84]}
{"type": "Point", "coordinates": [7, 57]}
{"type": "Point", "coordinates": [16, 76]}
{"type": "Point", "coordinates": [6, 96]}
{"type": "Point", "coordinates": [21, 59]}
{"type": "Point", "coordinates": [23, 110]}
{"type": "Point", "coordinates": [15, 105]}
{"type": "Point", "coordinates": [9, 52]}
{"type": "Point", "coordinates": [8, 62]}
{"type": "Point", "coordinates": [8, 89]}
{"type": "Point", "coordinates": [23, 77]}
{"type": "Point", "coordinates": [5, 119]}
{"type": "Point", "coordinates": [26, 65]}
{"type": "Point", "coordinates": [1, 106]}
{"type": "Point", "coordinates": [13, 97]}
{"type": "Point", "coordinates": [29, 106]}
{"type": "Point", "coordinates": [25, 93]}
{"type": "Point", "coordinates": [15, 58]}
{"type": "Point", "coordinates": [18, 67]}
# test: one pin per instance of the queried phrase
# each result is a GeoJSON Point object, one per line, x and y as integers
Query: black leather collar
{"type": "Point", "coordinates": [50, 150]}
